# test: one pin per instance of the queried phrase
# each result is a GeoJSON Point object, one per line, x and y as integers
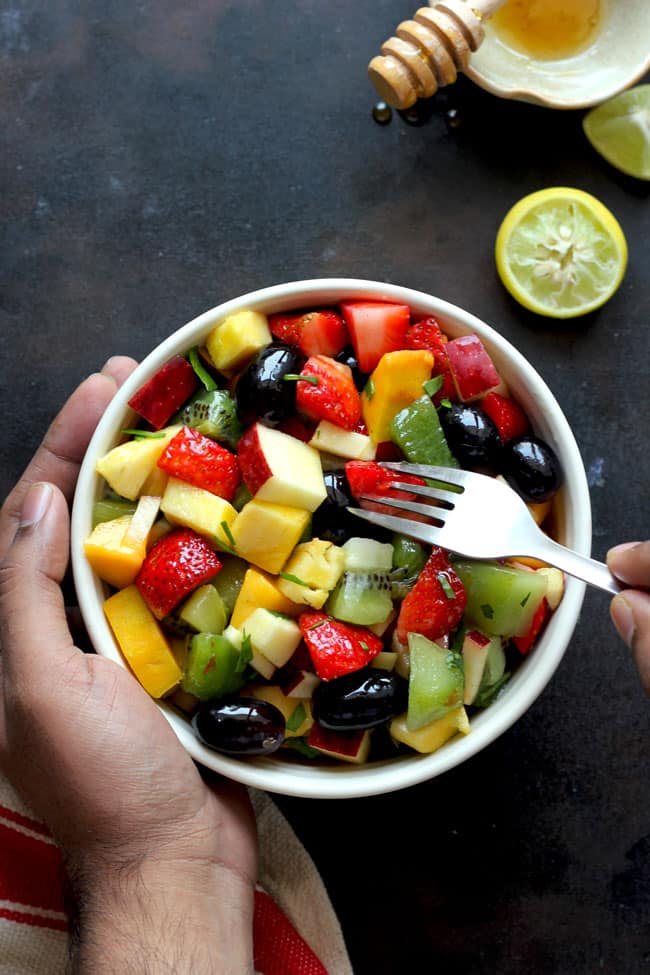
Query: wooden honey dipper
{"type": "Point", "coordinates": [429, 50]}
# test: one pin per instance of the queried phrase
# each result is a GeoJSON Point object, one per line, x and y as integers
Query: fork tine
{"type": "Point", "coordinates": [445, 497]}
{"type": "Point", "coordinates": [404, 526]}
{"type": "Point", "coordinates": [454, 477]}
{"type": "Point", "coordinates": [429, 510]}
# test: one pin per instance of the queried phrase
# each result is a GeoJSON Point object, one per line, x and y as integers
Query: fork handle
{"type": "Point", "coordinates": [581, 566]}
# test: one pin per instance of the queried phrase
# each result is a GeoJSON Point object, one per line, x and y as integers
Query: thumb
{"type": "Point", "coordinates": [33, 626]}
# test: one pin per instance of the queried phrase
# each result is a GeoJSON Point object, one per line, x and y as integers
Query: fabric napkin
{"type": "Point", "coordinates": [295, 929]}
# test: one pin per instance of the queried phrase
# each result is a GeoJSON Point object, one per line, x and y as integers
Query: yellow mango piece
{"type": "Point", "coordinates": [142, 641]}
{"type": "Point", "coordinates": [112, 560]}
{"type": "Point", "coordinates": [266, 534]}
{"type": "Point", "coordinates": [287, 705]}
{"type": "Point", "coordinates": [236, 340]}
{"type": "Point", "coordinates": [127, 467]}
{"type": "Point", "coordinates": [260, 591]}
{"type": "Point", "coordinates": [200, 510]}
{"type": "Point", "coordinates": [433, 735]}
{"type": "Point", "coordinates": [395, 383]}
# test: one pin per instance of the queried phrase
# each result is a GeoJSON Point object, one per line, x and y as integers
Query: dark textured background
{"type": "Point", "coordinates": [159, 158]}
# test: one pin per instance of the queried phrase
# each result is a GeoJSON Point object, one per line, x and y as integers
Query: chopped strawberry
{"type": "Point", "coordinates": [176, 565]}
{"type": "Point", "coordinates": [367, 477]}
{"type": "Point", "coordinates": [430, 608]}
{"type": "Point", "coordinates": [427, 334]}
{"type": "Point", "coordinates": [525, 642]}
{"type": "Point", "coordinates": [313, 332]}
{"type": "Point", "coordinates": [508, 416]}
{"type": "Point", "coordinates": [165, 392]}
{"type": "Point", "coordinates": [328, 392]}
{"type": "Point", "coordinates": [195, 458]}
{"type": "Point", "coordinates": [337, 648]}
{"type": "Point", "coordinates": [375, 327]}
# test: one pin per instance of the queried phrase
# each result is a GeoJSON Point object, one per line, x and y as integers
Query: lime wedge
{"type": "Point", "coordinates": [560, 252]}
{"type": "Point", "coordinates": [619, 130]}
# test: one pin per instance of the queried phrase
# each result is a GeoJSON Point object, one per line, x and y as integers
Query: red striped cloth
{"type": "Point", "coordinates": [32, 899]}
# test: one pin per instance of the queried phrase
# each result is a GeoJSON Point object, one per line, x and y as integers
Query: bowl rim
{"type": "Point", "coordinates": [344, 780]}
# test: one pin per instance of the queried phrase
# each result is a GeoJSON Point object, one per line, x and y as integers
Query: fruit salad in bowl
{"type": "Point", "coordinates": [291, 645]}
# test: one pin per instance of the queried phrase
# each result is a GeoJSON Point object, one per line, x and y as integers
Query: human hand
{"type": "Point", "coordinates": [630, 610]}
{"type": "Point", "coordinates": [159, 862]}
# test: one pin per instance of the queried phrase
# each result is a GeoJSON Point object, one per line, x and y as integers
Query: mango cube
{"type": "Point", "coordinates": [236, 340]}
{"type": "Point", "coordinates": [204, 512]}
{"type": "Point", "coordinates": [395, 383]}
{"type": "Point", "coordinates": [431, 736]}
{"type": "Point", "coordinates": [266, 534]}
{"type": "Point", "coordinates": [290, 707]}
{"type": "Point", "coordinates": [260, 590]}
{"type": "Point", "coordinates": [142, 641]}
{"type": "Point", "coordinates": [112, 560]}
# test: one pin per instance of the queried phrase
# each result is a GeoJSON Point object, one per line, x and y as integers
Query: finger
{"type": "Point", "coordinates": [631, 563]}
{"type": "Point", "coordinates": [58, 458]}
{"type": "Point", "coordinates": [630, 612]}
{"type": "Point", "coordinates": [34, 634]}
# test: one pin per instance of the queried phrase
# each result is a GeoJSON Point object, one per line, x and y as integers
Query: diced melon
{"type": "Point", "coordinates": [260, 590]}
{"type": "Point", "coordinates": [432, 736]}
{"type": "Point", "coordinates": [196, 508]}
{"type": "Point", "coordinates": [343, 443]}
{"type": "Point", "coordinates": [319, 565]}
{"type": "Point", "coordinates": [395, 383]}
{"type": "Point", "coordinates": [204, 610]}
{"type": "Point", "coordinates": [275, 637]}
{"type": "Point", "coordinates": [258, 661]}
{"type": "Point", "coordinates": [501, 599]}
{"type": "Point", "coordinates": [126, 467]}
{"type": "Point", "coordinates": [367, 555]}
{"type": "Point", "coordinates": [142, 641]}
{"type": "Point", "coordinates": [385, 660]}
{"type": "Point", "coordinates": [112, 560]}
{"type": "Point", "coordinates": [237, 338]}
{"type": "Point", "coordinates": [266, 534]}
{"type": "Point", "coordinates": [288, 706]}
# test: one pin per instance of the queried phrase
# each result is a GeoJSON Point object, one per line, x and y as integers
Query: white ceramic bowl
{"type": "Point", "coordinates": [574, 515]}
{"type": "Point", "coordinates": [618, 57]}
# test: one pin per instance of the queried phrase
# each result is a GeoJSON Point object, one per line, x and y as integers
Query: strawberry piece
{"type": "Point", "coordinates": [337, 648]}
{"type": "Point", "coordinates": [175, 566]}
{"type": "Point", "coordinates": [509, 418]}
{"type": "Point", "coordinates": [165, 392]}
{"type": "Point", "coordinates": [525, 642]}
{"type": "Point", "coordinates": [375, 328]}
{"type": "Point", "coordinates": [285, 328]}
{"type": "Point", "coordinates": [334, 397]}
{"type": "Point", "coordinates": [367, 477]}
{"type": "Point", "coordinates": [428, 608]}
{"type": "Point", "coordinates": [313, 332]}
{"type": "Point", "coordinates": [427, 334]}
{"type": "Point", "coordinates": [195, 458]}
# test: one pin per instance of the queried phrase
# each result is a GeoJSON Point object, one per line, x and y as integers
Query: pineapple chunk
{"type": "Point", "coordinates": [261, 664]}
{"type": "Point", "coordinates": [126, 467]}
{"type": "Point", "coordinates": [266, 534]}
{"type": "Point", "coordinates": [204, 512]}
{"type": "Point", "coordinates": [396, 383]}
{"type": "Point", "coordinates": [287, 705]}
{"type": "Point", "coordinates": [234, 341]}
{"type": "Point", "coordinates": [260, 591]}
{"type": "Point", "coordinates": [142, 642]}
{"type": "Point", "coordinates": [112, 560]}
{"type": "Point", "coordinates": [433, 735]}
{"type": "Point", "coordinates": [275, 637]}
{"type": "Point", "coordinates": [319, 565]}
{"type": "Point", "coordinates": [343, 443]}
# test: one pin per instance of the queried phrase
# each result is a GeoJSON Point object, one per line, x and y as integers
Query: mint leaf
{"type": "Point", "coordinates": [300, 745]}
{"type": "Point", "coordinates": [525, 599]}
{"type": "Point", "coordinates": [294, 579]}
{"type": "Point", "coordinates": [487, 611]}
{"type": "Point", "coordinates": [245, 654]}
{"type": "Point", "coordinates": [446, 585]}
{"type": "Point", "coordinates": [225, 527]}
{"type": "Point", "coordinates": [200, 371]}
{"type": "Point", "coordinates": [431, 386]}
{"type": "Point", "coordinates": [144, 434]}
{"type": "Point", "coordinates": [294, 377]}
{"type": "Point", "coordinates": [296, 719]}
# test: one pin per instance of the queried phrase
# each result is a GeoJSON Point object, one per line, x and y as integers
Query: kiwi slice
{"type": "Point", "coordinates": [213, 413]}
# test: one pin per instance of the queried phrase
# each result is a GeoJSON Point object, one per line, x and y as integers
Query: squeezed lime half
{"type": "Point", "coordinates": [619, 130]}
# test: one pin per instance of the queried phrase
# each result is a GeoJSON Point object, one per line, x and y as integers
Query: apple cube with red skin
{"type": "Point", "coordinates": [471, 367]}
{"type": "Point", "coordinates": [299, 683]}
{"type": "Point", "coordinates": [347, 746]}
{"type": "Point", "coordinates": [375, 327]}
{"type": "Point", "coordinates": [162, 395]}
{"type": "Point", "coordinates": [280, 469]}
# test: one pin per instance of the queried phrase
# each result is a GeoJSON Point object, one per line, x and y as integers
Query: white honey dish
{"type": "Point", "coordinates": [618, 57]}
{"type": "Point", "coordinates": [275, 774]}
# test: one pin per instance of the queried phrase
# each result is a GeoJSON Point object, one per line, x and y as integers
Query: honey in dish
{"type": "Point", "coordinates": [548, 29]}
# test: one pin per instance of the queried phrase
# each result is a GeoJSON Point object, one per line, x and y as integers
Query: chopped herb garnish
{"type": "Point", "coordinates": [364, 646]}
{"type": "Point", "coordinates": [447, 587]}
{"type": "Point", "coordinates": [433, 385]}
{"type": "Point", "coordinates": [316, 624]}
{"type": "Point", "coordinates": [487, 695]}
{"type": "Point", "coordinates": [245, 654]}
{"type": "Point", "coordinates": [446, 402]}
{"type": "Point", "coordinates": [370, 389]}
{"type": "Point", "coordinates": [300, 745]}
{"type": "Point", "coordinates": [294, 579]}
{"type": "Point", "coordinates": [276, 612]}
{"type": "Point", "coordinates": [487, 611]}
{"type": "Point", "coordinates": [525, 599]}
{"type": "Point", "coordinates": [223, 547]}
{"type": "Point", "coordinates": [200, 371]}
{"type": "Point", "coordinates": [294, 377]}
{"type": "Point", "coordinates": [296, 718]}
{"type": "Point", "coordinates": [145, 434]}
{"type": "Point", "coordinates": [225, 527]}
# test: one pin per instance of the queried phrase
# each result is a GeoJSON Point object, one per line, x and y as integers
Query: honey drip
{"type": "Point", "coordinates": [548, 29]}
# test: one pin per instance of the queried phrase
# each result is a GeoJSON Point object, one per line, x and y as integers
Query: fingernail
{"type": "Point", "coordinates": [619, 549]}
{"type": "Point", "coordinates": [623, 619]}
{"type": "Point", "coordinates": [35, 505]}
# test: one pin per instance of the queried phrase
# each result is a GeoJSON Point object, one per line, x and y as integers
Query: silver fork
{"type": "Point", "coordinates": [478, 517]}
